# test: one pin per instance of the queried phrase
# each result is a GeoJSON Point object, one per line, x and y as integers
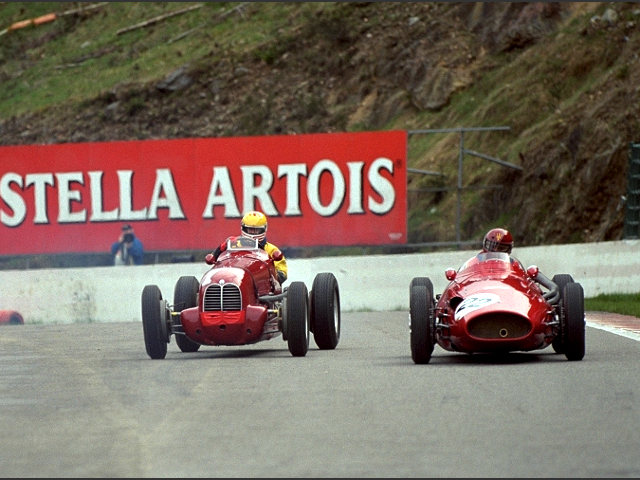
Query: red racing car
{"type": "Point", "coordinates": [492, 305]}
{"type": "Point", "coordinates": [238, 301]}
{"type": "Point", "coordinates": [10, 317]}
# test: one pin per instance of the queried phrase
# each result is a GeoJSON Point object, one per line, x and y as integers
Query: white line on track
{"type": "Point", "coordinates": [618, 331]}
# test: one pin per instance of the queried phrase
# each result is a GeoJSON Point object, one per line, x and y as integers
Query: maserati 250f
{"type": "Point", "coordinates": [492, 304]}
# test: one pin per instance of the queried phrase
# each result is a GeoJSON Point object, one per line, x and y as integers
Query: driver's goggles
{"type": "Point", "coordinates": [253, 230]}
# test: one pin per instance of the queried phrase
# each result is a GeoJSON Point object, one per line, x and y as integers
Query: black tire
{"type": "Point", "coordinates": [325, 311]}
{"type": "Point", "coordinates": [297, 312]}
{"type": "Point", "coordinates": [154, 322]}
{"type": "Point", "coordinates": [422, 324]}
{"type": "Point", "coordinates": [426, 281]}
{"type": "Point", "coordinates": [16, 319]}
{"type": "Point", "coordinates": [560, 280]}
{"type": "Point", "coordinates": [574, 324]}
{"type": "Point", "coordinates": [185, 295]}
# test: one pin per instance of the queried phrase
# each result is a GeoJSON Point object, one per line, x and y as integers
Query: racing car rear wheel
{"type": "Point", "coordinates": [297, 322]}
{"type": "Point", "coordinates": [422, 324]}
{"type": "Point", "coordinates": [185, 295]}
{"type": "Point", "coordinates": [574, 323]}
{"type": "Point", "coordinates": [154, 322]}
{"type": "Point", "coordinates": [325, 311]}
{"type": "Point", "coordinates": [560, 280]}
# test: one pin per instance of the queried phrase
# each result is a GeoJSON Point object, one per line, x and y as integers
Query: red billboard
{"type": "Point", "coordinates": [316, 189]}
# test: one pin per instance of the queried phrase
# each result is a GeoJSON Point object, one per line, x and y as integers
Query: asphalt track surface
{"type": "Point", "coordinates": [85, 400]}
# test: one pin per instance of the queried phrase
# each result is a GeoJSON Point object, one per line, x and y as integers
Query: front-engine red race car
{"type": "Point", "coordinates": [493, 305]}
{"type": "Point", "coordinates": [239, 301]}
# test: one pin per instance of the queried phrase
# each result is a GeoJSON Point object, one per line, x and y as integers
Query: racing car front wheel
{"type": "Point", "coordinates": [560, 279]}
{"type": "Point", "coordinates": [154, 322]}
{"type": "Point", "coordinates": [297, 322]}
{"type": "Point", "coordinates": [185, 295]}
{"type": "Point", "coordinates": [574, 322]}
{"type": "Point", "coordinates": [325, 311]}
{"type": "Point", "coordinates": [426, 281]}
{"type": "Point", "coordinates": [422, 323]}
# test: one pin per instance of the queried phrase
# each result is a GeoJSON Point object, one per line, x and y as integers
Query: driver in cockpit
{"type": "Point", "coordinates": [254, 226]}
{"type": "Point", "coordinates": [501, 240]}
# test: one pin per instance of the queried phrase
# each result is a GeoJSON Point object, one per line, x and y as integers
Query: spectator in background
{"type": "Point", "coordinates": [128, 249]}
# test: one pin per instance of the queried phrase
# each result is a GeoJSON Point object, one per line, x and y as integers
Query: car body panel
{"type": "Point", "coordinates": [229, 310]}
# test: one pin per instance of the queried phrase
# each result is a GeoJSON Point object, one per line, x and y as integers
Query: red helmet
{"type": "Point", "coordinates": [497, 240]}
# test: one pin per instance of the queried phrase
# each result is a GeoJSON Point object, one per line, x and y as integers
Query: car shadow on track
{"type": "Point", "coordinates": [511, 358]}
{"type": "Point", "coordinates": [220, 353]}
{"type": "Point", "coordinates": [495, 358]}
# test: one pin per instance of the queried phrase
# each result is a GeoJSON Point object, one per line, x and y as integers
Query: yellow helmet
{"type": "Point", "coordinates": [254, 225]}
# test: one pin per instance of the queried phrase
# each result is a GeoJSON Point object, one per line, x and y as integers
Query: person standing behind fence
{"type": "Point", "coordinates": [127, 250]}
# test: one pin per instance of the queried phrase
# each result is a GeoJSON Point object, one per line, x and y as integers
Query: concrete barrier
{"type": "Point", "coordinates": [371, 282]}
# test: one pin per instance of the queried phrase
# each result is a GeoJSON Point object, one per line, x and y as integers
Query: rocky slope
{"type": "Point", "coordinates": [563, 76]}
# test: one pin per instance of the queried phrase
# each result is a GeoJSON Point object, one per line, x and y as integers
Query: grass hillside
{"type": "Point", "coordinates": [562, 76]}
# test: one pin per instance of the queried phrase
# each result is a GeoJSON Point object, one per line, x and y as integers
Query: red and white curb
{"type": "Point", "coordinates": [623, 325]}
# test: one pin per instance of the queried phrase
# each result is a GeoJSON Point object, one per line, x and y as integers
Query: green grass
{"type": "Point", "coordinates": [623, 304]}
{"type": "Point", "coordinates": [72, 59]}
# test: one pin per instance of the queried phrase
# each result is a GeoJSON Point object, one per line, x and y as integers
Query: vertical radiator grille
{"type": "Point", "coordinates": [222, 298]}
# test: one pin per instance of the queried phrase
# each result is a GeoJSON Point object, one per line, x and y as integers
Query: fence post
{"type": "Point", "coordinates": [459, 185]}
{"type": "Point", "coordinates": [632, 204]}
{"type": "Point", "coordinates": [459, 188]}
